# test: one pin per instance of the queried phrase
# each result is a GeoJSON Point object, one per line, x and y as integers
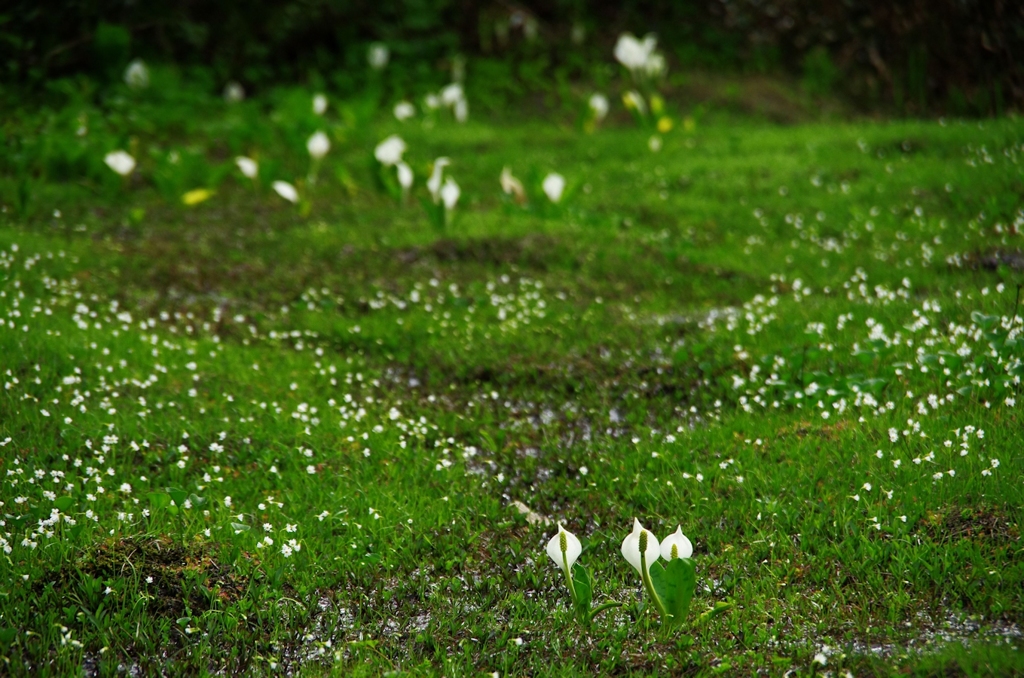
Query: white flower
{"type": "Point", "coordinates": [434, 182]}
{"type": "Point", "coordinates": [631, 547]}
{"type": "Point", "coordinates": [450, 193]}
{"type": "Point", "coordinates": [633, 99]}
{"type": "Point", "coordinates": [286, 191]}
{"type": "Point", "coordinates": [599, 105]}
{"type": "Point", "coordinates": [554, 185]}
{"type": "Point", "coordinates": [564, 548]}
{"type": "Point", "coordinates": [452, 94]}
{"type": "Point", "coordinates": [676, 545]}
{"type": "Point", "coordinates": [318, 145]}
{"type": "Point", "coordinates": [655, 65]}
{"type": "Point", "coordinates": [633, 53]}
{"type": "Point", "coordinates": [136, 75]}
{"type": "Point", "coordinates": [461, 110]}
{"type": "Point", "coordinates": [120, 162]}
{"type": "Point", "coordinates": [404, 110]}
{"type": "Point", "coordinates": [233, 92]}
{"type": "Point", "coordinates": [512, 186]}
{"type": "Point", "coordinates": [404, 176]}
{"type": "Point", "coordinates": [630, 52]}
{"type": "Point", "coordinates": [378, 55]}
{"type": "Point", "coordinates": [389, 152]}
{"type": "Point", "coordinates": [654, 143]}
{"type": "Point", "coordinates": [432, 101]}
{"type": "Point", "coordinates": [247, 166]}
{"type": "Point", "coordinates": [319, 104]}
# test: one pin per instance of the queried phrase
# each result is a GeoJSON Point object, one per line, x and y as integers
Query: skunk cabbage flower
{"type": "Point", "coordinates": [196, 196]}
{"type": "Point", "coordinates": [286, 191]}
{"type": "Point", "coordinates": [233, 92]}
{"type": "Point", "coordinates": [461, 110]}
{"type": "Point", "coordinates": [404, 176]}
{"type": "Point", "coordinates": [389, 152]}
{"type": "Point", "coordinates": [632, 53]}
{"type": "Point", "coordinates": [378, 55]}
{"type": "Point", "coordinates": [655, 66]}
{"type": "Point", "coordinates": [676, 545]}
{"type": "Point", "coordinates": [318, 145]}
{"type": "Point", "coordinates": [634, 101]}
{"type": "Point", "coordinates": [452, 94]}
{"type": "Point", "coordinates": [599, 105]}
{"type": "Point", "coordinates": [450, 193]}
{"type": "Point", "coordinates": [639, 56]}
{"type": "Point", "coordinates": [512, 186]}
{"type": "Point", "coordinates": [631, 547]}
{"type": "Point", "coordinates": [136, 75]}
{"type": "Point", "coordinates": [434, 182]}
{"type": "Point", "coordinates": [247, 166]}
{"type": "Point", "coordinates": [554, 185]}
{"type": "Point", "coordinates": [120, 162]}
{"type": "Point", "coordinates": [404, 110]}
{"type": "Point", "coordinates": [564, 548]}
{"type": "Point", "coordinates": [319, 104]}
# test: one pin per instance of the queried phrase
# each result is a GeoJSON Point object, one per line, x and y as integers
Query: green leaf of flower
{"type": "Point", "coordinates": [675, 583]}
{"type": "Point", "coordinates": [584, 590]}
{"type": "Point", "coordinates": [159, 500]}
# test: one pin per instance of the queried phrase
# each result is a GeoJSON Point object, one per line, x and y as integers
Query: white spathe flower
{"type": "Point", "coordinates": [434, 182]}
{"type": "Point", "coordinates": [564, 542]}
{"type": "Point", "coordinates": [655, 65]}
{"type": "Point", "coordinates": [599, 105]}
{"type": "Point", "coordinates": [136, 75]}
{"type": "Point", "coordinates": [320, 104]}
{"type": "Point", "coordinates": [404, 176]}
{"type": "Point", "coordinates": [639, 56]}
{"type": "Point", "coordinates": [389, 152]}
{"type": "Point", "coordinates": [450, 193]}
{"type": "Point", "coordinates": [633, 53]}
{"type": "Point", "coordinates": [633, 99]}
{"type": "Point", "coordinates": [286, 191]}
{"type": "Point", "coordinates": [631, 547]}
{"type": "Point", "coordinates": [378, 55]}
{"type": "Point", "coordinates": [247, 166]}
{"type": "Point", "coordinates": [654, 143]}
{"type": "Point", "coordinates": [318, 145]}
{"type": "Point", "coordinates": [510, 185]}
{"type": "Point", "coordinates": [120, 162]}
{"type": "Point", "coordinates": [432, 101]}
{"type": "Point", "coordinates": [676, 545]}
{"type": "Point", "coordinates": [452, 94]}
{"type": "Point", "coordinates": [553, 185]}
{"type": "Point", "coordinates": [234, 92]}
{"type": "Point", "coordinates": [461, 110]}
{"type": "Point", "coordinates": [404, 110]}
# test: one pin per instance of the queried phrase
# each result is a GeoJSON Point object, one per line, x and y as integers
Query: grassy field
{"type": "Point", "coordinates": [249, 436]}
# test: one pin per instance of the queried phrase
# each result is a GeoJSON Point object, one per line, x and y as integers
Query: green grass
{"type": "Point", "coordinates": [741, 334]}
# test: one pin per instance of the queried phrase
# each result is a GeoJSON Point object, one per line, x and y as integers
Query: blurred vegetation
{"type": "Point", "coordinates": [956, 56]}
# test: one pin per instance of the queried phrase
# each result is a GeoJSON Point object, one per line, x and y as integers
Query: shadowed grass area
{"type": "Point", "coordinates": [311, 430]}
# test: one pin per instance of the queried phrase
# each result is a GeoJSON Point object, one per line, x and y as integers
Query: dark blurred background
{"type": "Point", "coordinates": [962, 57]}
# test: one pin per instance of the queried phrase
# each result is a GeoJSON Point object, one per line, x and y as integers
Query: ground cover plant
{"type": "Point", "coordinates": [310, 412]}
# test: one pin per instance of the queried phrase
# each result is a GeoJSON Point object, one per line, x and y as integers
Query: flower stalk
{"type": "Point", "coordinates": [564, 548]}
{"type": "Point", "coordinates": [645, 576]}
